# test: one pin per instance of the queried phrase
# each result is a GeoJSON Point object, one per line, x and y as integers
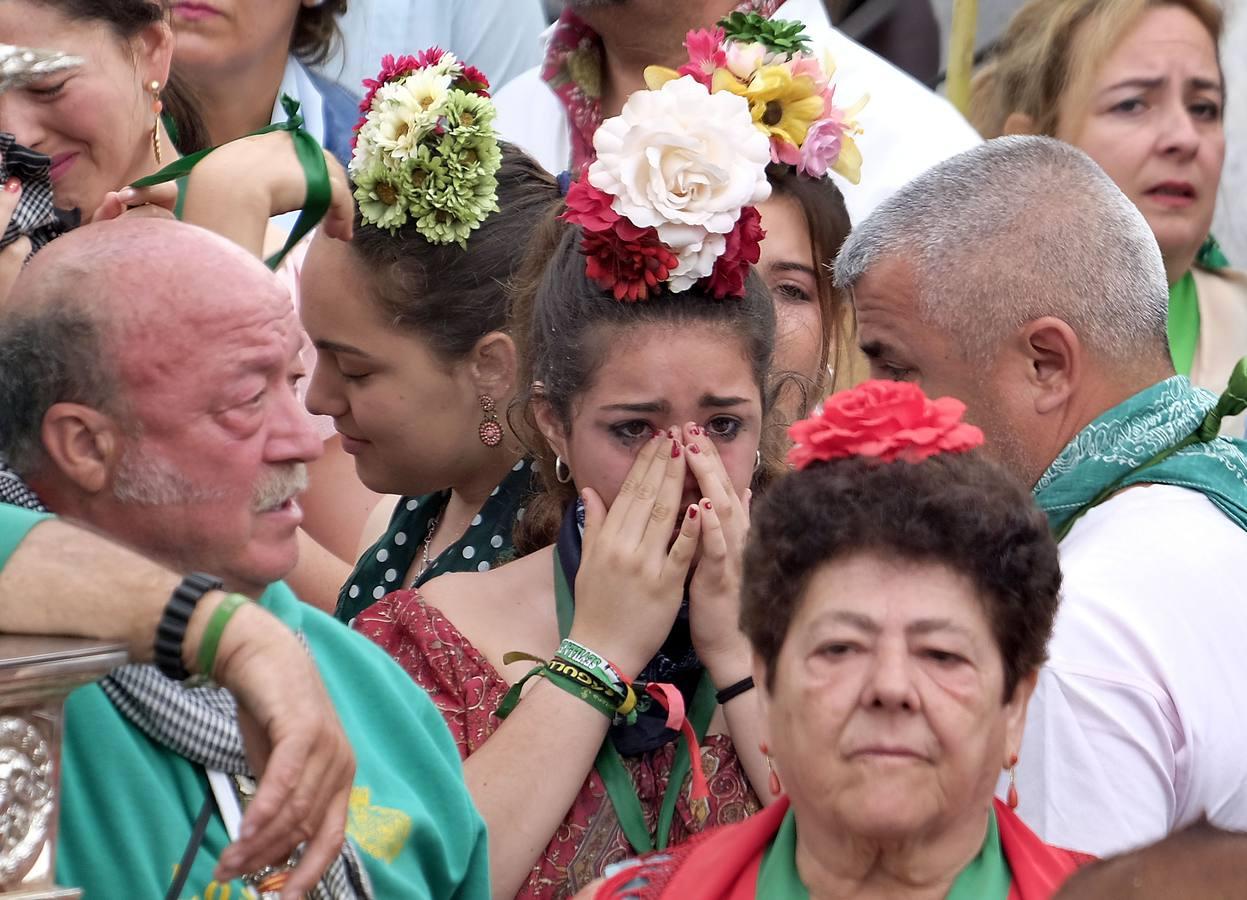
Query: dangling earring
{"type": "Point", "coordinates": [491, 429]}
{"type": "Point", "coordinates": [774, 785]}
{"type": "Point", "coordinates": [157, 108]}
{"type": "Point", "coordinates": [1012, 797]}
{"type": "Point", "coordinates": [560, 468]}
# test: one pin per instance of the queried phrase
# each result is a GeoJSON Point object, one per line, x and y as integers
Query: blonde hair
{"type": "Point", "coordinates": [1034, 64]}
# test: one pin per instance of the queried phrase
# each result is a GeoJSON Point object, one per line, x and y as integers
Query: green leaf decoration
{"type": "Point", "coordinates": [777, 35]}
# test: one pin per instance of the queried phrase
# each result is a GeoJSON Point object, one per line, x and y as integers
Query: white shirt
{"type": "Point", "coordinates": [907, 128]}
{"type": "Point", "coordinates": [1139, 722]}
{"type": "Point", "coordinates": [499, 37]}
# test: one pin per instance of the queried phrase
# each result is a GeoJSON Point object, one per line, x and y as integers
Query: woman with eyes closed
{"type": "Point", "coordinates": [1137, 85]}
{"type": "Point", "coordinates": [643, 392]}
{"type": "Point", "coordinates": [898, 592]}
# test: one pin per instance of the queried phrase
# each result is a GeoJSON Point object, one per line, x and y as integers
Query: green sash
{"type": "Point", "coordinates": [609, 763]}
{"type": "Point", "coordinates": [1166, 434]}
{"type": "Point", "coordinates": [987, 876]}
{"type": "Point", "coordinates": [1184, 308]}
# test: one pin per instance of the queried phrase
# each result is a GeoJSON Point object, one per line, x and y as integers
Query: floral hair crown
{"type": "Point", "coordinates": [886, 420]}
{"type": "Point", "coordinates": [425, 149]}
{"type": "Point", "coordinates": [789, 91]}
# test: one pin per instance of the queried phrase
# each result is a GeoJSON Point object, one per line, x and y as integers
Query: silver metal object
{"type": "Point", "coordinates": [36, 675]}
{"type": "Point", "coordinates": [19, 66]}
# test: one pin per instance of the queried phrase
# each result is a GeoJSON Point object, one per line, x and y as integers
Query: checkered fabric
{"type": "Point", "coordinates": [199, 724]}
{"type": "Point", "coordinates": [35, 216]}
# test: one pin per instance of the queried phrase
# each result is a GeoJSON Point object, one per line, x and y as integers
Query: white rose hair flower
{"type": "Point", "coordinates": [425, 150]}
{"type": "Point", "coordinates": [669, 199]}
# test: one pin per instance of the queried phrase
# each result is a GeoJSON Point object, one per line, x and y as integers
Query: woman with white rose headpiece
{"type": "Point", "coordinates": [645, 344]}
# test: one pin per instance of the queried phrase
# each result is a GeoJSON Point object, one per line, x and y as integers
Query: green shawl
{"type": "Point", "coordinates": [1166, 434]}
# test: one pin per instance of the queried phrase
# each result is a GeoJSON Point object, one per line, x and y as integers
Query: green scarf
{"type": "Point", "coordinates": [987, 877]}
{"type": "Point", "coordinates": [1163, 435]}
{"type": "Point", "coordinates": [1184, 307]}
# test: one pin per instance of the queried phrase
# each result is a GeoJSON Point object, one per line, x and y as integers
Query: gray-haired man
{"type": "Point", "coordinates": [1019, 279]}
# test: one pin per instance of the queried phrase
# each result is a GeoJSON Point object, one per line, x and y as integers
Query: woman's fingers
{"type": "Point", "coordinates": [708, 468]}
{"type": "Point", "coordinates": [664, 515]}
{"type": "Point", "coordinates": [339, 221]}
{"type": "Point", "coordinates": [680, 556]}
{"type": "Point", "coordinates": [713, 540]}
{"type": "Point", "coordinates": [595, 518]}
{"type": "Point", "coordinates": [635, 500]}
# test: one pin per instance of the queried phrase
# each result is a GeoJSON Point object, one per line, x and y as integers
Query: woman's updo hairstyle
{"type": "Point", "coordinates": [127, 18]}
{"type": "Point", "coordinates": [451, 296]}
{"type": "Point", "coordinates": [565, 324]}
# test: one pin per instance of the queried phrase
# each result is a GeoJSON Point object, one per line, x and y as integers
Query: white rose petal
{"type": "Point", "coordinates": [696, 262]}
{"type": "Point", "coordinates": [685, 161]}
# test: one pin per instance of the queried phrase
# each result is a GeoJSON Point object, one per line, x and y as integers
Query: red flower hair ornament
{"type": "Point", "coordinates": [886, 420]}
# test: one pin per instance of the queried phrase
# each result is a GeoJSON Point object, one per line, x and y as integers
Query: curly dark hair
{"type": "Point", "coordinates": [960, 510]}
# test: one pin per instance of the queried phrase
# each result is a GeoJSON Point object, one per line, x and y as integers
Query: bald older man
{"type": "Point", "coordinates": [1019, 279]}
{"type": "Point", "coordinates": [147, 376]}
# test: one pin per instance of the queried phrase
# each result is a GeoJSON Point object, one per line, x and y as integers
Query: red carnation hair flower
{"type": "Point", "coordinates": [887, 420]}
{"type": "Point", "coordinates": [744, 248]}
{"type": "Point", "coordinates": [628, 262]}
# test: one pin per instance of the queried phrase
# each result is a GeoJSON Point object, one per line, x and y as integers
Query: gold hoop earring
{"type": "Point", "coordinates": [157, 108]}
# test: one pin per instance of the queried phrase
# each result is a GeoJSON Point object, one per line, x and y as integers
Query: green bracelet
{"type": "Point", "coordinates": [215, 628]}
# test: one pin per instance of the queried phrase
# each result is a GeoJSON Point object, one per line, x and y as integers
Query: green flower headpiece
{"type": "Point", "coordinates": [426, 150]}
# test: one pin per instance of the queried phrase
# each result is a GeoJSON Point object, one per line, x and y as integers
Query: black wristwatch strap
{"type": "Point", "coordinates": [171, 632]}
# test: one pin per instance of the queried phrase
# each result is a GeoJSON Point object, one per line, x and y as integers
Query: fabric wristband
{"type": "Point", "coordinates": [582, 657]}
{"type": "Point", "coordinates": [216, 627]}
{"type": "Point", "coordinates": [575, 681]}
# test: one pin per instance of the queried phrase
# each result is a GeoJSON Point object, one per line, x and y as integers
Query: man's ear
{"type": "Point", "coordinates": [1055, 358]}
{"type": "Point", "coordinates": [83, 444]}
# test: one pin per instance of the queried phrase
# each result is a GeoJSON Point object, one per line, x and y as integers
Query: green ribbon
{"type": "Point", "coordinates": [1231, 403]}
{"type": "Point", "coordinates": [310, 156]}
{"type": "Point", "coordinates": [609, 764]}
{"type": "Point", "coordinates": [1183, 324]}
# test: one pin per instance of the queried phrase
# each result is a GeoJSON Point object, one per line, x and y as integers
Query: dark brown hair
{"type": "Point", "coordinates": [564, 326]}
{"type": "Point", "coordinates": [960, 510]}
{"type": "Point", "coordinates": [451, 296]}
{"type": "Point", "coordinates": [827, 219]}
{"type": "Point", "coordinates": [127, 18]}
{"type": "Point", "coordinates": [315, 31]}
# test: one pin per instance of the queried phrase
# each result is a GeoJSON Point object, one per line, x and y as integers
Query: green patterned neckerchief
{"type": "Point", "coordinates": [1166, 434]}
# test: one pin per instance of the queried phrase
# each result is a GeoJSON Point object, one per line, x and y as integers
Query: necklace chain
{"type": "Point", "coordinates": [425, 561]}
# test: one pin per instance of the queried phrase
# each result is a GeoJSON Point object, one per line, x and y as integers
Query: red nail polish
{"type": "Point", "coordinates": [692, 512]}
{"type": "Point", "coordinates": [675, 449]}
{"type": "Point", "coordinates": [693, 448]}
{"type": "Point", "coordinates": [706, 503]}
{"type": "Point", "coordinates": [694, 429]}
{"type": "Point", "coordinates": [13, 185]}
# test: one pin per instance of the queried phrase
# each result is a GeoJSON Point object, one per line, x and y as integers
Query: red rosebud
{"type": "Point", "coordinates": [629, 268]}
{"type": "Point", "coordinates": [887, 420]}
{"type": "Point", "coordinates": [590, 208]}
{"type": "Point", "coordinates": [743, 249]}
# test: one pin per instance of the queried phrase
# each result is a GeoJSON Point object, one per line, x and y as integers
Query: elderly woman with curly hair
{"type": "Point", "coordinates": [899, 590]}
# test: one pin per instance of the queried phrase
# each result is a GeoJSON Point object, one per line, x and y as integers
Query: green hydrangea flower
{"type": "Point", "coordinates": [779, 35]}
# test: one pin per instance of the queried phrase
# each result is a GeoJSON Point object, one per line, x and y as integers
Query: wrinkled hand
{"type": "Point", "coordinates": [631, 578]}
{"type": "Point", "coordinates": [294, 742]}
{"type": "Point", "coordinates": [714, 592]}
{"type": "Point", "coordinates": [12, 257]}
